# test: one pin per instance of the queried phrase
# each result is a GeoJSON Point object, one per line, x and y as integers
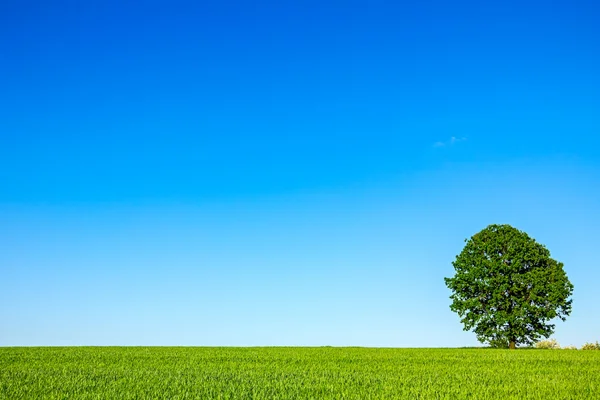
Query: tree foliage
{"type": "Point", "coordinates": [507, 288]}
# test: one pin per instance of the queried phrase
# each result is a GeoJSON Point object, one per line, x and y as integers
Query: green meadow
{"type": "Point", "coordinates": [296, 373]}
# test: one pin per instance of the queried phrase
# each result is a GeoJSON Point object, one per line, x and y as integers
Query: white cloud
{"type": "Point", "coordinates": [453, 140]}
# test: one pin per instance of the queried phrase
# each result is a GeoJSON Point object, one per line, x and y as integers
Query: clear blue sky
{"type": "Point", "coordinates": [286, 173]}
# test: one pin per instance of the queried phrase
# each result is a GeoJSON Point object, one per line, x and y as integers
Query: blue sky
{"type": "Point", "coordinates": [286, 173]}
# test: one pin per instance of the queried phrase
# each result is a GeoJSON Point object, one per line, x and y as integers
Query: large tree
{"type": "Point", "coordinates": [507, 288]}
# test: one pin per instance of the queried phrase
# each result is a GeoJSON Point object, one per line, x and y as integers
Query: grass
{"type": "Point", "coordinates": [296, 373]}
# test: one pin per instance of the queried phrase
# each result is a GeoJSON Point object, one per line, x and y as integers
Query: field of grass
{"type": "Point", "coordinates": [296, 373]}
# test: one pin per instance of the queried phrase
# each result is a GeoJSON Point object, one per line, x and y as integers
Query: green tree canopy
{"type": "Point", "coordinates": [507, 288]}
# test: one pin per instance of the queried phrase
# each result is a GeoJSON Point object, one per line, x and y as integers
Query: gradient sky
{"type": "Point", "coordinates": [286, 173]}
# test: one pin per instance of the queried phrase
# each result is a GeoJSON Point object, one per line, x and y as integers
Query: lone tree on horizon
{"type": "Point", "coordinates": [507, 288]}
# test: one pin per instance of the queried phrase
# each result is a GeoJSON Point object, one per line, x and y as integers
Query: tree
{"type": "Point", "coordinates": [507, 288]}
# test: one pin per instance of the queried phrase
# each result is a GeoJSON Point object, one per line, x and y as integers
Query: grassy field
{"type": "Point", "coordinates": [296, 373]}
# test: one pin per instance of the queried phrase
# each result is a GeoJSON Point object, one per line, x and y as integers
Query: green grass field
{"type": "Point", "coordinates": [296, 373]}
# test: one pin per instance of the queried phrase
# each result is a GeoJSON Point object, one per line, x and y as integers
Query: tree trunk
{"type": "Point", "coordinates": [512, 345]}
